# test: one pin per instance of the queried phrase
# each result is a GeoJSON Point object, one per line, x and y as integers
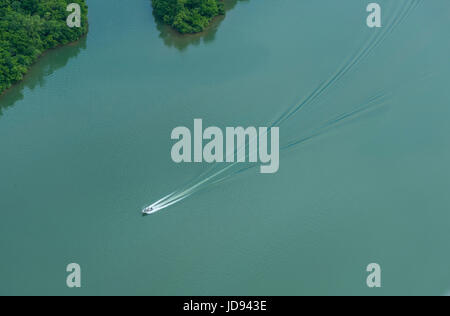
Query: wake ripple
{"type": "Point", "coordinates": [218, 173]}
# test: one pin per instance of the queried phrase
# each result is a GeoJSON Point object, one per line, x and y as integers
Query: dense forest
{"type": "Point", "coordinates": [30, 27]}
{"type": "Point", "coordinates": [188, 16]}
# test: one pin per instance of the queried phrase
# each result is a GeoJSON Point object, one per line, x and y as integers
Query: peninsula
{"type": "Point", "coordinates": [30, 27]}
{"type": "Point", "coordinates": [188, 16]}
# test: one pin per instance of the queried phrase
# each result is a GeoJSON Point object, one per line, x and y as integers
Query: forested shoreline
{"type": "Point", "coordinates": [30, 27]}
{"type": "Point", "coordinates": [188, 16]}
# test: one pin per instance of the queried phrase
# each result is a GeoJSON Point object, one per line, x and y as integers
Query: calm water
{"type": "Point", "coordinates": [85, 144]}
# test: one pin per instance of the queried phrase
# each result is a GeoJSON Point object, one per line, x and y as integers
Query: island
{"type": "Point", "coordinates": [188, 16]}
{"type": "Point", "coordinates": [28, 28]}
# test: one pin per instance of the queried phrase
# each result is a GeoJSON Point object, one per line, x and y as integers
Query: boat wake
{"type": "Point", "coordinates": [219, 173]}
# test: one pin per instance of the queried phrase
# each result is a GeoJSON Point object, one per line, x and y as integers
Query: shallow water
{"type": "Point", "coordinates": [86, 144]}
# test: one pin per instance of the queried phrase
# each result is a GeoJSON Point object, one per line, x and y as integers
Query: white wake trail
{"type": "Point", "coordinates": [375, 41]}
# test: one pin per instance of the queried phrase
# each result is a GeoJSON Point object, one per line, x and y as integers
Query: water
{"type": "Point", "coordinates": [86, 144]}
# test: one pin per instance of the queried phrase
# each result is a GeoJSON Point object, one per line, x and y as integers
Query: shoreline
{"type": "Point", "coordinates": [38, 59]}
{"type": "Point", "coordinates": [211, 24]}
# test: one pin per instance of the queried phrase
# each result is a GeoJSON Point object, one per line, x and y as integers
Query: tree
{"type": "Point", "coordinates": [187, 16]}
{"type": "Point", "coordinates": [30, 27]}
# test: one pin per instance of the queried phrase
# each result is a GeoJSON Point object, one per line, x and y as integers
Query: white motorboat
{"type": "Point", "coordinates": [149, 210]}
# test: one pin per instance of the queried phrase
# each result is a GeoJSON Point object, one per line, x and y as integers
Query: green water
{"type": "Point", "coordinates": [85, 144]}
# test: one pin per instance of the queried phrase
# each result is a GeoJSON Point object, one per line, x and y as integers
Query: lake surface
{"type": "Point", "coordinates": [85, 144]}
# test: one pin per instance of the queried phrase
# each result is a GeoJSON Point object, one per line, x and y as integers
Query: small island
{"type": "Point", "coordinates": [30, 27]}
{"type": "Point", "coordinates": [188, 16]}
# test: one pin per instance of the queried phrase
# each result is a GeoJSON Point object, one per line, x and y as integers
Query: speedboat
{"type": "Point", "coordinates": [148, 210]}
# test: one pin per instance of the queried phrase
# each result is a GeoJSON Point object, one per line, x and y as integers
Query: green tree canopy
{"type": "Point", "coordinates": [30, 27]}
{"type": "Point", "coordinates": [188, 16]}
